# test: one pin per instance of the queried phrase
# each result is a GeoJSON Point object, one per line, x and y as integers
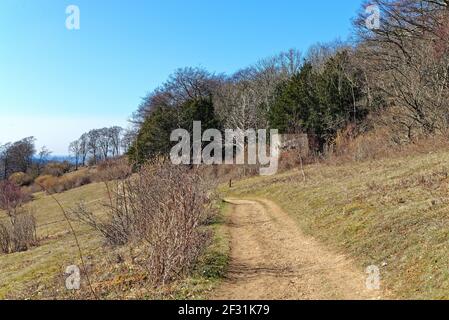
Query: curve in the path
{"type": "Point", "coordinates": [272, 259]}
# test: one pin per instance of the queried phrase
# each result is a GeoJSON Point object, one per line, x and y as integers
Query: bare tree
{"type": "Point", "coordinates": [128, 138]}
{"type": "Point", "coordinates": [76, 151]}
{"type": "Point", "coordinates": [17, 156]}
{"type": "Point", "coordinates": [243, 100]}
{"type": "Point", "coordinates": [115, 136]}
{"type": "Point", "coordinates": [5, 159]}
{"type": "Point", "coordinates": [43, 155]}
{"type": "Point", "coordinates": [104, 142]}
{"type": "Point", "coordinates": [319, 53]}
{"type": "Point", "coordinates": [406, 61]}
{"type": "Point", "coordinates": [93, 144]}
{"type": "Point", "coordinates": [84, 148]}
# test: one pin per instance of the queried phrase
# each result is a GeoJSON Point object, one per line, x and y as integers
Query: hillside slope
{"type": "Point", "coordinates": [391, 213]}
{"type": "Point", "coordinates": [26, 274]}
{"type": "Point", "coordinates": [39, 272]}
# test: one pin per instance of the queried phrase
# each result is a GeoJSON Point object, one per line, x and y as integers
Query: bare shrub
{"type": "Point", "coordinates": [11, 197]}
{"type": "Point", "coordinates": [74, 180]}
{"type": "Point", "coordinates": [19, 233]}
{"type": "Point", "coordinates": [33, 188]}
{"type": "Point", "coordinates": [295, 158]}
{"type": "Point", "coordinates": [181, 203]}
{"type": "Point", "coordinates": [46, 181]}
{"type": "Point", "coordinates": [164, 207]}
{"type": "Point", "coordinates": [113, 169]}
{"type": "Point", "coordinates": [378, 143]}
{"type": "Point", "coordinates": [118, 225]}
{"type": "Point", "coordinates": [21, 179]}
{"type": "Point", "coordinates": [57, 169]}
{"type": "Point", "coordinates": [5, 238]}
{"type": "Point", "coordinates": [66, 182]}
{"type": "Point", "coordinates": [24, 231]}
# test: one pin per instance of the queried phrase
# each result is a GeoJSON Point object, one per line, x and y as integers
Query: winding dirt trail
{"type": "Point", "coordinates": [272, 259]}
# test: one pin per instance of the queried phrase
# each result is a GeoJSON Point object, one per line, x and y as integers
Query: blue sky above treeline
{"type": "Point", "coordinates": [56, 84]}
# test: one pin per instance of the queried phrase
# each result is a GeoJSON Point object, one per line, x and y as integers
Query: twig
{"type": "Point", "coordinates": [302, 167]}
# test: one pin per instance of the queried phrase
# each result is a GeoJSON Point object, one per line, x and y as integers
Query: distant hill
{"type": "Point", "coordinates": [58, 158]}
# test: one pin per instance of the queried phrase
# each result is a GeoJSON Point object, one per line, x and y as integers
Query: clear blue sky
{"type": "Point", "coordinates": [56, 83]}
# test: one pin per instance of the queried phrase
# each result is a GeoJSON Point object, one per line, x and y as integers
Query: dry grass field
{"type": "Point", "coordinates": [25, 274]}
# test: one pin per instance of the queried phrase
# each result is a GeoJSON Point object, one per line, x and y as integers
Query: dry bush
{"type": "Point", "coordinates": [19, 233]}
{"type": "Point", "coordinates": [113, 169]}
{"type": "Point", "coordinates": [56, 169]}
{"type": "Point", "coordinates": [164, 207]}
{"type": "Point", "coordinates": [66, 182]}
{"type": "Point", "coordinates": [11, 197]}
{"type": "Point", "coordinates": [379, 143]}
{"type": "Point", "coordinates": [74, 180]}
{"type": "Point", "coordinates": [33, 188]}
{"type": "Point", "coordinates": [5, 238]}
{"type": "Point", "coordinates": [117, 227]}
{"type": "Point", "coordinates": [21, 179]}
{"type": "Point", "coordinates": [24, 231]}
{"type": "Point", "coordinates": [46, 181]}
{"type": "Point", "coordinates": [181, 201]}
{"type": "Point", "coordinates": [294, 158]}
{"type": "Point", "coordinates": [357, 143]}
{"type": "Point", "coordinates": [288, 160]}
{"type": "Point", "coordinates": [348, 146]}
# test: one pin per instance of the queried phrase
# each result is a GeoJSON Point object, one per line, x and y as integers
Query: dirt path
{"type": "Point", "coordinates": [272, 259]}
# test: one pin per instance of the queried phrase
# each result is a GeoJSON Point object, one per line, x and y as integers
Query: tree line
{"type": "Point", "coordinates": [16, 157]}
{"type": "Point", "coordinates": [91, 148]}
{"type": "Point", "coordinates": [395, 76]}
{"type": "Point", "coordinates": [317, 94]}
{"type": "Point", "coordinates": [406, 65]}
{"type": "Point", "coordinates": [99, 144]}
